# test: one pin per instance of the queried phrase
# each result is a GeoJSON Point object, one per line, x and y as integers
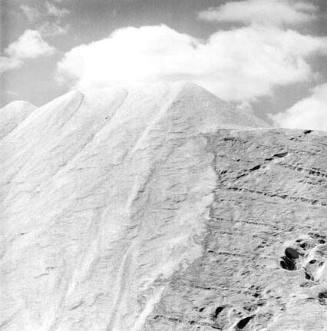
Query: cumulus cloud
{"type": "Point", "coordinates": [309, 113]}
{"type": "Point", "coordinates": [266, 12]}
{"type": "Point", "coordinates": [7, 64]}
{"type": "Point", "coordinates": [240, 64]}
{"type": "Point", "coordinates": [29, 45]}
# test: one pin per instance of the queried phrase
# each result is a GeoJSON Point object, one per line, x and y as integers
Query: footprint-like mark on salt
{"type": "Point", "coordinates": [309, 254]}
{"type": "Point", "coordinates": [288, 261]}
{"type": "Point", "coordinates": [243, 322]}
{"type": "Point", "coordinates": [322, 298]}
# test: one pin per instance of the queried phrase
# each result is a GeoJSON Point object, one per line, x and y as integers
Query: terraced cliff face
{"type": "Point", "coordinates": [263, 263]}
{"type": "Point", "coordinates": [160, 210]}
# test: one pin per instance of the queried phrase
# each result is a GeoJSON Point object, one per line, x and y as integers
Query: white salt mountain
{"type": "Point", "coordinates": [160, 209]}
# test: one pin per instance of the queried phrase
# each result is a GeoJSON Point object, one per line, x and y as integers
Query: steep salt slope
{"type": "Point", "coordinates": [263, 264]}
{"type": "Point", "coordinates": [105, 195]}
{"type": "Point", "coordinates": [12, 114]}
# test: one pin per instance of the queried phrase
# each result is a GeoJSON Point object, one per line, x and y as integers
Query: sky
{"type": "Point", "coordinates": [267, 56]}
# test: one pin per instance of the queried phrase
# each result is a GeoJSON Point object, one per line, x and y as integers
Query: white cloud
{"type": "Point", "coordinates": [7, 64]}
{"type": "Point", "coordinates": [47, 10]}
{"type": "Point", "coordinates": [239, 64]}
{"type": "Point", "coordinates": [309, 113]}
{"type": "Point", "coordinates": [47, 18]}
{"type": "Point", "coordinates": [29, 45]}
{"type": "Point", "coordinates": [266, 12]}
{"type": "Point", "coordinates": [55, 11]}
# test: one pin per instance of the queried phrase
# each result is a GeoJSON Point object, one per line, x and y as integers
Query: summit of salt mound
{"type": "Point", "coordinates": [158, 209]}
{"type": "Point", "coordinates": [206, 107]}
{"type": "Point", "coordinates": [13, 114]}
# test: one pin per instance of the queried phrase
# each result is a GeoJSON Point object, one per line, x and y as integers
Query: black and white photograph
{"type": "Point", "coordinates": [163, 165]}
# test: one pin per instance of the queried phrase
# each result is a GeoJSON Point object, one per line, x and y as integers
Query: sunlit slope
{"type": "Point", "coordinates": [104, 195]}
{"type": "Point", "coordinates": [12, 115]}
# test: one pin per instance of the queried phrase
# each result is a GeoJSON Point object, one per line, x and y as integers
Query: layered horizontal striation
{"type": "Point", "coordinates": [264, 259]}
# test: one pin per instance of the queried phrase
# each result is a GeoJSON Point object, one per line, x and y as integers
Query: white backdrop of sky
{"type": "Point", "coordinates": [268, 55]}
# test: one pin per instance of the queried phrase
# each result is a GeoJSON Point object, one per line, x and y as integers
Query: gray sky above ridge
{"type": "Point", "coordinates": [221, 45]}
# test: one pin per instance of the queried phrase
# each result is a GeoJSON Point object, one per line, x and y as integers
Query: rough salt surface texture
{"type": "Point", "coordinates": [161, 209]}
